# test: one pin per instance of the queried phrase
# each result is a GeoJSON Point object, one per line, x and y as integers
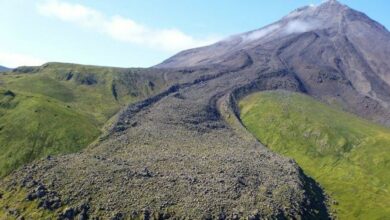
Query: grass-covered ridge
{"type": "Point", "coordinates": [348, 156]}
{"type": "Point", "coordinates": [60, 108]}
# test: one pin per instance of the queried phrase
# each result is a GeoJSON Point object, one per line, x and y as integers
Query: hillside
{"type": "Point", "coordinates": [156, 149]}
{"type": "Point", "coordinates": [61, 108]}
{"type": "Point", "coordinates": [347, 155]}
{"type": "Point", "coordinates": [34, 126]}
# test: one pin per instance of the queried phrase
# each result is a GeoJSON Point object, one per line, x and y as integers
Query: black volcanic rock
{"type": "Point", "coordinates": [183, 153]}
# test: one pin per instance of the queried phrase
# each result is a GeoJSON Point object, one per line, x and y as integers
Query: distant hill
{"type": "Point", "coordinates": [3, 69]}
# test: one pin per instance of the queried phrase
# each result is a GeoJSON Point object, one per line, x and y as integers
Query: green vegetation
{"type": "Point", "coordinates": [17, 197]}
{"type": "Point", "coordinates": [33, 127]}
{"type": "Point", "coordinates": [61, 108]}
{"type": "Point", "coordinates": [348, 156]}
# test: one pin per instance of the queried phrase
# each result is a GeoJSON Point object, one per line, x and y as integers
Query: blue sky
{"type": "Point", "coordinates": [135, 33]}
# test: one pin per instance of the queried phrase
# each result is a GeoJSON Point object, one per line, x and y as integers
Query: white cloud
{"type": "Point", "coordinates": [71, 12]}
{"type": "Point", "coordinates": [261, 33]}
{"type": "Point", "coordinates": [11, 59]}
{"type": "Point", "coordinates": [299, 26]}
{"type": "Point", "coordinates": [121, 28]}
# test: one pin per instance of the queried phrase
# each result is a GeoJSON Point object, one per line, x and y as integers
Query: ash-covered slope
{"type": "Point", "coordinates": [340, 55]}
{"type": "Point", "coordinates": [183, 153]}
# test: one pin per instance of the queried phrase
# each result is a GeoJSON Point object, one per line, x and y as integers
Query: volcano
{"type": "Point", "coordinates": [336, 53]}
{"type": "Point", "coordinates": [184, 153]}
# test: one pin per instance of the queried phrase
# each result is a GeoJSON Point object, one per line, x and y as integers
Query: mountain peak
{"type": "Point", "coordinates": [330, 20]}
{"type": "Point", "coordinates": [327, 10]}
{"type": "Point", "coordinates": [331, 2]}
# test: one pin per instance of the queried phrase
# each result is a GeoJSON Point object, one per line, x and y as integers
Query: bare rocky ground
{"type": "Point", "coordinates": [183, 153]}
{"type": "Point", "coordinates": [174, 156]}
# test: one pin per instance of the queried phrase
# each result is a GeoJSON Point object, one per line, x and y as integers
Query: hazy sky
{"type": "Point", "coordinates": [135, 33]}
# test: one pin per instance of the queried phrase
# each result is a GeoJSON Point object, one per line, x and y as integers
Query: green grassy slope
{"type": "Point", "coordinates": [35, 126]}
{"type": "Point", "coordinates": [60, 108]}
{"type": "Point", "coordinates": [100, 91]}
{"type": "Point", "coordinates": [348, 156]}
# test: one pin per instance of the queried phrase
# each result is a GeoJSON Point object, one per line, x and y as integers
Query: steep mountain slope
{"type": "Point", "coordinates": [347, 155]}
{"type": "Point", "coordinates": [329, 48]}
{"type": "Point", "coordinates": [183, 153]}
{"type": "Point", "coordinates": [61, 108]}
